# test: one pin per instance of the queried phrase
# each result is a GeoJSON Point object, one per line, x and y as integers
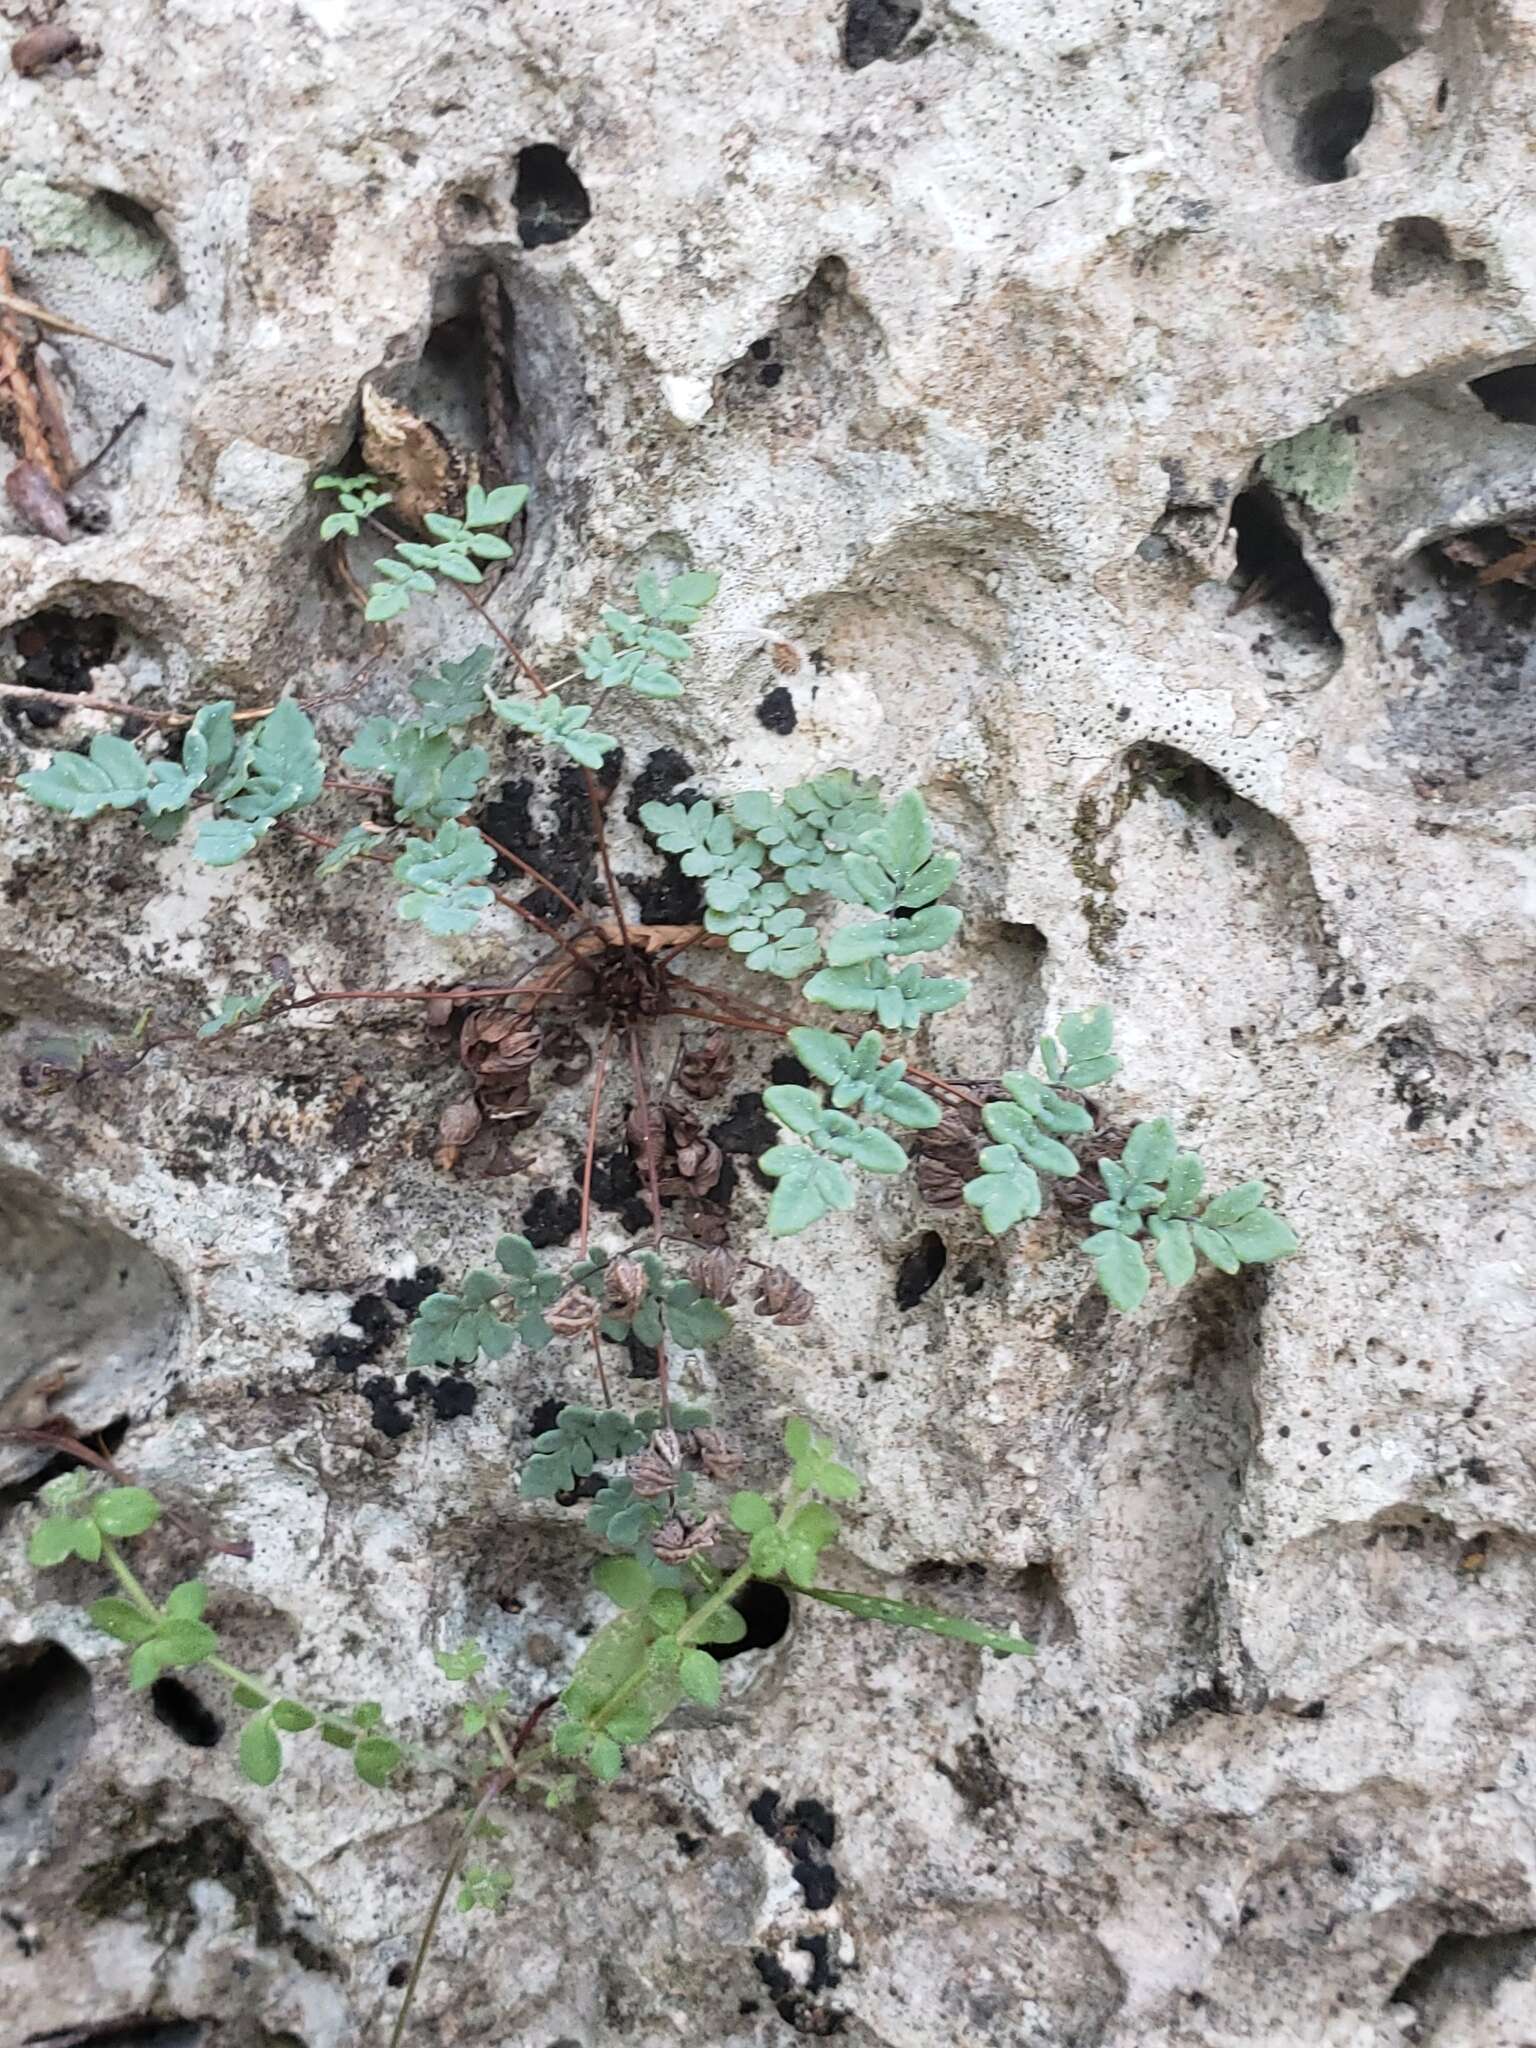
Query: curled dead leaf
{"type": "Point", "coordinates": [413, 456]}
{"type": "Point", "coordinates": [37, 502]}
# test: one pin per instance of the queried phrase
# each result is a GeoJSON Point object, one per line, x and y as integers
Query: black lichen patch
{"type": "Point", "coordinates": [565, 852]}
{"type": "Point", "coordinates": [806, 1834]}
{"type": "Point", "coordinates": [552, 1217]}
{"type": "Point", "coordinates": [381, 1320]}
{"type": "Point", "coordinates": [794, 2004]}
{"type": "Point", "coordinates": [378, 1326]}
{"type": "Point", "coordinates": [670, 897]}
{"type": "Point", "coordinates": [387, 1415]}
{"type": "Point", "coordinates": [748, 1131]}
{"type": "Point", "coordinates": [777, 712]}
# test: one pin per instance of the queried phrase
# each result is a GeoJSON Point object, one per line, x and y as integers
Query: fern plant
{"type": "Point", "coordinates": [827, 889]}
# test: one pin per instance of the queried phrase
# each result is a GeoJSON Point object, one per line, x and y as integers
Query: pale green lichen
{"type": "Point", "coordinates": [1317, 466]}
{"type": "Point", "coordinates": [93, 227]}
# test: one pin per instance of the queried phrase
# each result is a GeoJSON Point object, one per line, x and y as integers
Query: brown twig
{"type": "Point", "coordinates": [40, 315]}
{"type": "Point", "coordinates": [109, 444]}
{"type": "Point", "coordinates": [17, 379]}
{"type": "Point", "coordinates": [498, 375]}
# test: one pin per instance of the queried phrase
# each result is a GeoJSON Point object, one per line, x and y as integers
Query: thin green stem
{"type": "Point", "coordinates": [119, 1567]}
{"type": "Point", "coordinates": [487, 1800]}
{"type": "Point", "coordinates": [725, 1592]}
{"type": "Point", "coordinates": [493, 1724]}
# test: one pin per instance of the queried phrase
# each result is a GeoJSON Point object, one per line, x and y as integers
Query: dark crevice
{"type": "Point", "coordinates": [551, 201]}
{"type": "Point", "coordinates": [876, 29]}
{"type": "Point", "coordinates": [1416, 250]}
{"type": "Point", "coordinates": [766, 1611]}
{"type": "Point", "coordinates": [131, 2033]}
{"type": "Point", "coordinates": [920, 1268]}
{"type": "Point", "coordinates": [1463, 1972]}
{"type": "Point", "coordinates": [1317, 98]}
{"type": "Point", "coordinates": [1459, 620]}
{"type": "Point", "coordinates": [177, 1707]}
{"type": "Point", "coordinates": [1508, 394]}
{"type": "Point", "coordinates": [45, 1723]}
{"type": "Point", "coordinates": [1329, 129]}
{"type": "Point", "coordinates": [1272, 571]}
{"type": "Point", "coordinates": [56, 650]}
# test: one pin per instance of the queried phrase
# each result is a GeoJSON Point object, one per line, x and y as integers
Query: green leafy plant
{"type": "Point", "coordinates": [828, 889]}
{"type": "Point", "coordinates": [674, 1586]}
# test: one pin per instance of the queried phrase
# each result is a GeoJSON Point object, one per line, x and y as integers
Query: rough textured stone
{"type": "Point", "coordinates": [1048, 290]}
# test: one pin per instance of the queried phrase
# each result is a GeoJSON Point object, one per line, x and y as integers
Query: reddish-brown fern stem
{"type": "Point", "coordinates": [653, 1193]}
{"type": "Point", "coordinates": [598, 1075]}
{"type": "Point", "coordinates": [770, 1020]}
{"type": "Point", "coordinates": [511, 903]}
{"type": "Point", "coordinates": [600, 835]}
{"type": "Point", "coordinates": [535, 875]}
{"type": "Point", "coordinates": [602, 1373]}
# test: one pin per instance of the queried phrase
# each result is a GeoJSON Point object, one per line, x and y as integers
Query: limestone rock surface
{"type": "Point", "coordinates": [1102, 412]}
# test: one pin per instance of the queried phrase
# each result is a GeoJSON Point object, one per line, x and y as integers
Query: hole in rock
{"type": "Point", "coordinates": [1462, 1973]}
{"type": "Point", "coordinates": [813, 367]}
{"type": "Point", "coordinates": [177, 1707]}
{"type": "Point", "coordinates": [55, 650]}
{"type": "Point", "coordinates": [919, 1269]}
{"type": "Point", "coordinates": [463, 387]}
{"type": "Point", "coordinates": [1186, 835]}
{"type": "Point", "coordinates": [1508, 394]}
{"type": "Point", "coordinates": [89, 1318]}
{"type": "Point", "coordinates": [766, 1611]}
{"type": "Point", "coordinates": [1460, 621]}
{"type": "Point", "coordinates": [551, 201]}
{"type": "Point", "coordinates": [1274, 575]}
{"type": "Point", "coordinates": [45, 1723]}
{"type": "Point", "coordinates": [873, 29]}
{"type": "Point", "coordinates": [1416, 250]}
{"type": "Point", "coordinates": [1317, 98]}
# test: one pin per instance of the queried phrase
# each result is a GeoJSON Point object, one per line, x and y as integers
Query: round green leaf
{"type": "Point", "coordinates": [626, 1582]}
{"type": "Point", "coordinates": [120, 1618]}
{"type": "Point", "coordinates": [374, 1758]}
{"type": "Point", "coordinates": [187, 1601]}
{"type": "Point", "coordinates": [752, 1511]}
{"type": "Point", "coordinates": [261, 1754]}
{"type": "Point", "coordinates": [699, 1675]}
{"type": "Point", "coordinates": [291, 1717]}
{"type": "Point", "coordinates": [187, 1642]}
{"type": "Point", "coordinates": [668, 1610]}
{"type": "Point", "coordinates": [53, 1541]}
{"type": "Point", "coordinates": [125, 1511]}
{"type": "Point", "coordinates": [605, 1759]}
